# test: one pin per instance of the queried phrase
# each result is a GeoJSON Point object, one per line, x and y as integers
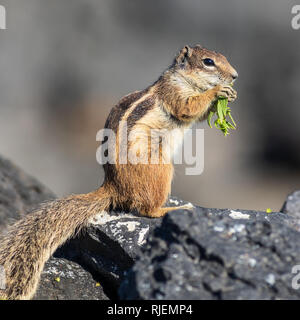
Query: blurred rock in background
{"type": "Point", "coordinates": [64, 64]}
{"type": "Point", "coordinates": [19, 193]}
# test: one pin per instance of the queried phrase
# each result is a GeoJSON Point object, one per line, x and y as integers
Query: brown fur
{"type": "Point", "coordinates": [29, 243]}
{"type": "Point", "coordinates": [182, 95]}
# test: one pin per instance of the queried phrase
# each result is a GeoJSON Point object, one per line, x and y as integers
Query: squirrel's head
{"type": "Point", "coordinates": [203, 68]}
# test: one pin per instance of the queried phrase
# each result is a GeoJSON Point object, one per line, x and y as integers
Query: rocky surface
{"type": "Point", "coordinates": [18, 192]}
{"type": "Point", "coordinates": [189, 254]}
{"type": "Point", "coordinates": [292, 205]}
{"type": "Point", "coordinates": [217, 254]}
{"type": "Point", "coordinates": [110, 245]}
{"type": "Point", "coordinates": [66, 280]}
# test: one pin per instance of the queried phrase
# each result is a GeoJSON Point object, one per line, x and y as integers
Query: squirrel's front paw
{"type": "Point", "coordinates": [226, 92]}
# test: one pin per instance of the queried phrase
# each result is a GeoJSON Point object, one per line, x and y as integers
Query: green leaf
{"type": "Point", "coordinates": [210, 115]}
{"type": "Point", "coordinates": [222, 111]}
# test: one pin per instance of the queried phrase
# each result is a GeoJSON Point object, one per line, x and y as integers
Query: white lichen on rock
{"type": "Point", "coordinates": [142, 238]}
{"type": "Point", "coordinates": [238, 215]}
{"type": "Point", "coordinates": [131, 225]}
{"type": "Point", "coordinates": [104, 217]}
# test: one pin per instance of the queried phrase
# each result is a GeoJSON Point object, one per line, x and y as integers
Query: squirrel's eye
{"type": "Point", "coordinates": [208, 62]}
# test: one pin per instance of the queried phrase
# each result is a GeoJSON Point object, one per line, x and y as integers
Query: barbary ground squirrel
{"type": "Point", "coordinates": [182, 95]}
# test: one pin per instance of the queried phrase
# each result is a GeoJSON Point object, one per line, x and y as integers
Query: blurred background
{"type": "Point", "coordinates": [64, 64]}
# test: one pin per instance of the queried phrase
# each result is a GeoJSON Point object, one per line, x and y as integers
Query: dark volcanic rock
{"type": "Point", "coordinates": [292, 205]}
{"type": "Point", "coordinates": [19, 192]}
{"type": "Point", "coordinates": [109, 246]}
{"type": "Point", "coordinates": [217, 254]}
{"type": "Point", "coordinates": [190, 254]}
{"type": "Point", "coordinates": [66, 280]}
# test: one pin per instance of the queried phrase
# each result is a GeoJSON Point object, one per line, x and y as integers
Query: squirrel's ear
{"type": "Point", "coordinates": [183, 55]}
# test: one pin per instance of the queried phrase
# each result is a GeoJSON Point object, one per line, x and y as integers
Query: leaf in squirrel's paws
{"type": "Point", "coordinates": [221, 109]}
{"type": "Point", "coordinates": [210, 115]}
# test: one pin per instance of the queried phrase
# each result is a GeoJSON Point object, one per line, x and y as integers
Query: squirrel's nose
{"type": "Point", "coordinates": [234, 75]}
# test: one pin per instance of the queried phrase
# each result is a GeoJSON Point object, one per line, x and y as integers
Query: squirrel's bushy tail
{"type": "Point", "coordinates": [29, 243]}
